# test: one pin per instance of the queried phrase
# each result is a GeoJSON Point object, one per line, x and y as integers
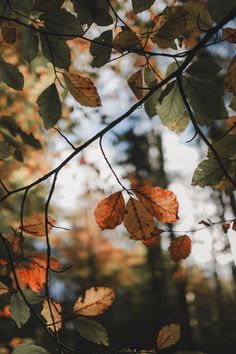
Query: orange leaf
{"type": "Point", "coordinates": [53, 313]}
{"type": "Point", "coordinates": [154, 239]}
{"type": "Point", "coordinates": [35, 224]}
{"type": "Point", "coordinates": [229, 35]}
{"type": "Point", "coordinates": [138, 222]}
{"type": "Point", "coordinates": [225, 227]}
{"type": "Point", "coordinates": [230, 82]}
{"type": "Point", "coordinates": [3, 288]}
{"type": "Point", "coordinates": [234, 225]}
{"type": "Point", "coordinates": [161, 203]}
{"type": "Point", "coordinates": [180, 248]}
{"type": "Point", "coordinates": [231, 124]}
{"type": "Point", "coordinates": [94, 302]}
{"type": "Point", "coordinates": [110, 211]}
{"type": "Point", "coordinates": [82, 89]}
{"type": "Point", "coordinates": [168, 336]}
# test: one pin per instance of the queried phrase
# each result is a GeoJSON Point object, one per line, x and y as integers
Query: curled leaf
{"type": "Point", "coordinates": [180, 248]}
{"type": "Point", "coordinates": [94, 302]}
{"type": "Point", "coordinates": [52, 313]}
{"type": "Point", "coordinates": [35, 224]}
{"type": "Point", "coordinates": [110, 211]}
{"type": "Point", "coordinates": [168, 336]}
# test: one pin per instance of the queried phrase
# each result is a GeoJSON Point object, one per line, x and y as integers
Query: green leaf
{"type": "Point", "coordinates": [49, 106]}
{"type": "Point", "coordinates": [89, 11]}
{"type": "Point", "coordinates": [29, 139]}
{"type": "Point", "coordinates": [141, 5]}
{"type": "Point", "coordinates": [29, 44]}
{"type": "Point", "coordinates": [103, 18]}
{"type": "Point", "coordinates": [205, 99]}
{"type": "Point", "coordinates": [226, 147]}
{"type": "Point", "coordinates": [233, 103]}
{"type": "Point", "coordinates": [101, 53]}
{"type": "Point", "coordinates": [20, 312]}
{"type": "Point", "coordinates": [25, 6]}
{"type": "Point", "coordinates": [27, 348]}
{"type": "Point", "coordinates": [92, 331]}
{"type": "Point", "coordinates": [62, 21]}
{"type": "Point", "coordinates": [11, 75]}
{"type": "Point", "coordinates": [173, 67]}
{"type": "Point", "coordinates": [208, 173]}
{"type": "Point", "coordinates": [55, 50]}
{"type": "Point", "coordinates": [220, 8]}
{"type": "Point", "coordinates": [204, 69]}
{"type": "Point", "coordinates": [6, 150]}
{"type": "Point", "coordinates": [32, 297]}
{"type": "Point", "coordinates": [172, 111]}
{"type": "Point", "coordinates": [47, 5]}
{"type": "Point", "coordinates": [150, 105]}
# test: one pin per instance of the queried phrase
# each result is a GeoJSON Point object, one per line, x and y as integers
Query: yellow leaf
{"type": "Point", "coordinates": [110, 211]}
{"type": "Point", "coordinates": [230, 82]}
{"type": "Point", "coordinates": [35, 224]}
{"type": "Point", "coordinates": [168, 336]}
{"type": "Point", "coordinates": [138, 221]}
{"type": "Point", "coordinates": [94, 302]}
{"type": "Point", "coordinates": [54, 313]}
{"type": "Point", "coordinates": [161, 203]}
{"type": "Point", "coordinates": [82, 89]}
{"type": "Point", "coordinates": [135, 82]}
{"type": "Point", "coordinates": [3, 288]}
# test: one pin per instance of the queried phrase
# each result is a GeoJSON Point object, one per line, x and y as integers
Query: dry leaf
{"type": "Point", "coordinates": [161, 203]}
{"type": "Point", "coordinates": [35, 224]}
{"type": "Point", "coordinates": [138, 222]}
{"type": "Point", "coordinates": [110, 211]}
{"type": "Point", "coordinates": [234, 225]}
{"type": "Point", "coordinates": [154, 239]}
{"type": "Point", "coordinates": [168, 336]}
{"type": "Point", "coordinates": [230, 82]}
{"type": "Point", "coordinates": [135, 82]}
{"type": "Point", "coordinates": [3, 288]}
{"type": "Point", "coordinates": [94, 302]}
{"type": "Point", "coordinates": [180, 248]}
{"type": "Point", "coordinates": [54, 313]}
{"type": "Point", "coordinates": [125, 40]}
{"type": "Point", "coordinates": [225, 227]}
{"type": "Point", "coordinates": [229, 35]}
{"type": "Point", "coordinates": [82, 89]}
{"type": "Point", "coordinates": [9, 34]}
{"type": "Point", "coordinates": [231, 124]}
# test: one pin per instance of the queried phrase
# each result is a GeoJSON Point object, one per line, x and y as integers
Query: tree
{"type": "Point", "coordinates": [41, 42]}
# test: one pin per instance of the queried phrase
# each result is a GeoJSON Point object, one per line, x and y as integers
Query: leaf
{"type": "Point", "coordinates": [188, 352]}
{"type": "Point", "coordinates": [25, 6]}
{"type": "Point", "coordinates": [90, 11]}
{"type": "Point", "coordinates": [20, 312]}
{"type": "Point", "coordinates": [31, 296]}
{"type": "Point", "coordinates": [203, 69]}
{"type": "Point", "coordinates": [206, 101]}
{"type": "Point", "coordinates": [160, 203]}
{"type": "Point", "coordinates": [135, 82]}
{"type": "Point", "coordinates": [233, 103]}
{"type": "Point", "coordinates": [6, 150]}
{"type": "Point", "coordinates": [151, 80]}
{"type": "Point", "coordinates": [180, 248]}
{"type": "Point", "coordinates": [225, 227]}
{"type": "Point", "coordinates": [198, 18]}
{"type": "Point", "coordinates": [220, 8]}
{"type": "Point", "coordinates": [168, 336]}
{"type": "Point", "coordinates": [82, 89]}
{"type": "Point", "coordinates": [35, 224]}
{"type": "Point", "coordinates": [56, 51]}
{"type": "Point", "coordinates": [49, 106]}
{"type": "Point", "coordinates": [101, 52]}
{"type": "Point", "coordinates": [234, 225]}
{"type": "Point", "coordinates": [230, 82]}
{"type": "Point", "coordinates": [92, 331]}
{"type": "Point", "coordinates": [11, 75]}
{"type": "Point", "coordinates": [3, 288]}
{"type": "Point", "coordinates": [29, 44]}
{"type": "Point", "coordinates": [52, 312]}
{"type": "Point", "coordinates": [110, 211]}
{"type": "Point", "coordinates": [125, 40]}
{"type": "Point", "coordinates": [140, 5]}
{"type": "Point", "coordinates": [47, 5]}
{"type": "Point", "coordinates": [229, 35]}
{"type": "Point", "coordinates": [208, 173]}
{"type": "Point", "coordinates": [9, 34]}
{"type": "Point", "coordinates": [172, 111]}
{"type": "Point", "coordinates": [94, 302]}
{"type": "Point", "coordinates": [225, 147]}
{"type": "Point", "coordinates": [28, 348]}
{"type": "Point", "coordinates": [61, 19]}
{"type": "Point", "coordinates": [138, 221]}
{"type": "Point", "coordinates": [154, 239]}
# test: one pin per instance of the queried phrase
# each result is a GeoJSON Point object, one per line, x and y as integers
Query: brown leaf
{"type": "Point", "coordinates": [180, 248]}
{"type": "Point", "coordinates": [231, 124]}
{"type": "Point", "coordinates": [110, 211]}
{"type": "Point", "coordinates": [154, 239]}
{"type": "Point", "coordinates": [125, 40]}
{"type": "Point", "coordinates": [234, 225]}
{"type": "Point", "coordinates": [225, 227]}
{"type": "Point", "coordinates": [168, 336]}
{"type": "Point", "coordinates": [82, 89]}
{"type": "Point", "coordinates": [35, 224]}
{"type": "Point", "coordinates": [3, 288]}
{"type": "Point", "coordinates": [230, 82]}
{"type": "Point", "coordinates": [94, 302]}
{"type": "Point", "coordinates": [138, 222]}
{"type": "Point", "coordinates": [135, 82]}
{"type": "Point", "coordinates": [229, 35]}
{"type": "Point", "coordinates": [161, 203]}
{"type": "Point", "coordinates": [9, 34]}
{"type": "Point", "coordinates": [54, 313]}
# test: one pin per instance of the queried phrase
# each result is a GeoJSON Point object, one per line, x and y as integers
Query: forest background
{"type": "Point", "coordinates": [103, 97]}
